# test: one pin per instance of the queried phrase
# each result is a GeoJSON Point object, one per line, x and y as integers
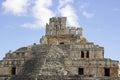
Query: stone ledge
{"type": "Point", "coordinates": [57, 77]}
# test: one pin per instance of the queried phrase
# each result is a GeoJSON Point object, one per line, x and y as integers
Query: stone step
{"type": "Point", "coordinates": [62, 77]}
{"type": "Point", "coordinates": [33, 65]}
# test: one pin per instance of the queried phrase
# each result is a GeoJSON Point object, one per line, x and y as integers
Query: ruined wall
{"type": "Point", "coordinates": [57, 32]}
{"type": "Point", "coordinates": [7, 66]}
{"type": "Point", "coordinates": [87, 48]}
{"type": "Point", "coordinates": [13, 61]}
{"type": "Point", "coordinates": [66, 39]}
{"type": "Point", "coordinates": [93, 68]}
{"type": "Point", "coordinates": [5, 71]}
{"type": "Point", "coordinates": [92, 65]}
{"type": "Point", "coordinates": [57, 26]}
{"type": "Point", "coordinates": [54, 25]}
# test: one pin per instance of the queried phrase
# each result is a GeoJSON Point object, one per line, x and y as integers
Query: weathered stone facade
{"type": "Point", "coordinates": [63, 54]}
{"type": "Point", "coordinates": [119, 69]}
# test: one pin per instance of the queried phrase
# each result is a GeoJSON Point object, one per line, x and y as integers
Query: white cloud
{"type": "Point", "coordinates": [16, 7]}
{"type": "Point", "coordinates": [88, 15]}
{"type": "Point", "coordinates": [83, 6]}
{"type": "Point", "coordinates": [31, 25]}
{"type": "Point", "coordinates": [40, 10]}
{"type": "Point", "coordinates": [72, 18]}
{"type": "Point", "coordinates": [65, 2]}
{"type": "Point", "coordinates": [41, 13]}
{"type": "Point", "coordinates": [68, 11]}
{"type": "Point", "coordinates": [84, 12]}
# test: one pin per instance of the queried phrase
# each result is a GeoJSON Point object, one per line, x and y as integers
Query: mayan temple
{"type": "Point", "coordinates": [63, 54]}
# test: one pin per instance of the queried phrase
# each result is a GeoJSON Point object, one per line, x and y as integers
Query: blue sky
{"type": "Point", "coordinates": [22, 22]}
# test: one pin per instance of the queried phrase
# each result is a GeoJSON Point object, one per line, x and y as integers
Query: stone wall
{"type": "Point", "coordinates": [57, 31]}
{"type": "Point", "coordinates": [92, 67]}
{"type": "Point", "coordinates": [57, 26]}
{"type": "Point", "coordinates": [93, 51]}
{"type": "Point", "coordinates": [72, 77]}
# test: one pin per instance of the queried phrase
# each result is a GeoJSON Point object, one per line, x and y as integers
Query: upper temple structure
{"type": "Point", "coordinates": [58, 33]}
{"type": "Point", "coordinates": [63, 54]}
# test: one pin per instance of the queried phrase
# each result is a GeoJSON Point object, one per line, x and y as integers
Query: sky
{"type": "Point", "coordinates": [22, 22]}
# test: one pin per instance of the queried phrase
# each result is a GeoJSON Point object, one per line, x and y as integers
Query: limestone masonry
{"type": "Point", "coordinates": [63, 54]}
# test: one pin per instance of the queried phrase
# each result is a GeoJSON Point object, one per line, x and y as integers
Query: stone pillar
{"type": "Point", "coordinates": [79, 31]}
{"type": "Point", "coordinates": [72, 31]}
{"type": "Point", "coordinates": [119, 69]}
{"type": "Point", "coordinates": [63, 22]}
{"type": "Point", "coordinates": [47, 29]}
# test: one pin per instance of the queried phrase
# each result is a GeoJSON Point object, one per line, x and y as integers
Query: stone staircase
{"type": "Point", "coordinates": [36, 67]}
{"type": "Point", "coordinates": [70, 77]}
{"type": "Point", "coordinates": [33, 65]}
{"type": "Point", "coordinates": [54, 63]}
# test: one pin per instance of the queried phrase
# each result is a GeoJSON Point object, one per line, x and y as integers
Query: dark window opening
{"type": "Point", "coordinates": [82, 54]}
{"type": "Point", "coordinates": [80, 71]}
{"type": "Point", "coordinates": [87, 55]}
{"type": "Point", "coordinates": [72, 35]}
{"type": "Point", "coordinates": [23, 54]}
{"type": "Point", "coordinates": [13, 71]}
{"type": "Point", "coordinates": [17, 54]}
{"type": "Point", "coordinates": [61, 42]}
{"type": "Point", "coordinates": [107, 71]}
{"type": "Point", "coordinates": [103, 53]}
